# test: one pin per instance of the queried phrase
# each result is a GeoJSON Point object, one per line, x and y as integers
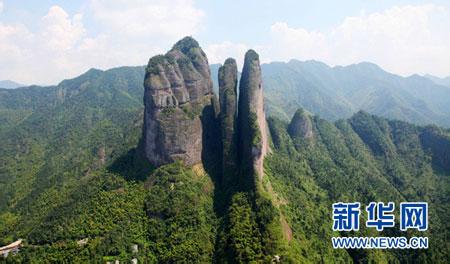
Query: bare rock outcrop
{"type": "Point", "coordinates": [178, 88]}
{"type": "Point", "coordinates": [301, 125]}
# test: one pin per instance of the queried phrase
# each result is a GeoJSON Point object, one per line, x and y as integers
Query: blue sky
{"type": "Point", "coordinates": [46, 41]}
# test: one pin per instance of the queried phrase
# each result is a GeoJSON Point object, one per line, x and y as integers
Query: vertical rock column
{"type": "Point", "coordinates": [251, 118]}
{"type": "Point", "coordinates": [178, 87]}
{"type": "Point", "coordinates": [228, 115]}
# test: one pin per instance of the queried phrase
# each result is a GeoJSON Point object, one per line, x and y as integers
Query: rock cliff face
{"type": "Point", "coordinates": [178, 88]}
{"type": "Point", "coordinates": [228, 114]}
{"type": "Point", "coordinates": [252, 121]}
{"type": "Point", "coordinates": [301, 125]}
{"type": "Point", "coordinates": [181, 123]}
{"type": "Point", "coordinates": [180, 108]}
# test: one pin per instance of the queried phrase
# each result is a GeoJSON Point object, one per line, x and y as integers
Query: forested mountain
{"type": "Point", "coordinates": [365, 158]}
{"type": "Point", "coordinates": [7, 84]}
{"type": "Point", "coordinates": [55, 145]}
{"type": "Point", "coordinates": [43, 123]}
{"type": "Point", "coordinates": [338, 92]}
{"type": "Point", "coordinates": [76, 187]}
{"type": "Point", "coordinates": [330, 92]}
{"type": "Point", "coordinates": [116, 87]}
{"type": "Point", "coordinates": [441, 81]}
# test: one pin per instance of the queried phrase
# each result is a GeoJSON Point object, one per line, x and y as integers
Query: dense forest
{"type": "Point", "coordinates": [75, 188]}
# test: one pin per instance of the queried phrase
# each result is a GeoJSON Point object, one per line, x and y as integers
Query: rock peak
{"type": "Point", "coordinates": [228, 76]}
{"type": "Point", "coordinates": [228, 113]}
{"type": "Point", "coordinates": [230, 61]}
{"type": "Point", "coordinates": [300, 125]}
{"type": "Point", "coordinates": [252, 122]}
{"type": "Point", "coordinates": [251, 55]}
{"type": "Point", "coordinates": [178, 90]}
{"type": "Point", "coordinates": [299, 113]}
{"type": "Point", "coordinates": [185, 44]}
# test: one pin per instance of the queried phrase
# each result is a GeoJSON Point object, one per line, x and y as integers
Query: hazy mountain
{"type": "Point", "coordinates": [441, 81]}
{"type": "Point", "coordinates": [338, 92]}
{"type": "Point", "coordinates": [7, 84]}
{"type": "Point", "coordinates": [331, 92]}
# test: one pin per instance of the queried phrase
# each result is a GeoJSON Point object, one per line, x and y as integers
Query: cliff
{"type": "Point", "coordinates": [228, 114]}
{"type": "Point", "coordinates": [301, 125]}
{"type": "Point", "coordinates": [251, 118]}
{"type": "Point", "coordinates": [178, 89]}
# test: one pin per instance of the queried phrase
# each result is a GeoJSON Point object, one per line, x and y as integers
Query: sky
{"type": "Point", "coordinates": [44, 41]}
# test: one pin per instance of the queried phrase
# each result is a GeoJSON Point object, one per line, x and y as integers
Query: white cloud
{"type": "Point", "coordinates": [60, 46]}
{"type": "Point", "coordinates": [218, 53]}
{"type": "Point", "coordinates": [404, 40]}
{"type": "Point", "coordinates": [44, 56]}
{"type": "Point", "coordinates": [287, 43]}
{"type": "Point", "coordinates": [148, 18]}
{"type": "Point", "coordinates": [60, 31]}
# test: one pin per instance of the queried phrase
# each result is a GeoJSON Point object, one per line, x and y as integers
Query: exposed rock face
{"type": "Point", "coordinates": [252, 121]}
{"type": "Point", "coordinates": [301, 125]}
{"type": "Point", "coordinates": [228, 113]}
{"type": "Point", "coordinates": [178, 87]}
{"type": "Point", "coordinates": [101, 155]}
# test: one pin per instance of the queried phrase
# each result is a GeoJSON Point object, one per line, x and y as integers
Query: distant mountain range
{"type": "Point", "coordinates": [338, 92]}
{"type": "Point", "coordinates": [441, 81]}
{"type": "Point", "coordinates": [7, 84]}
{"type": "Point", "coordinates": [335, 92]}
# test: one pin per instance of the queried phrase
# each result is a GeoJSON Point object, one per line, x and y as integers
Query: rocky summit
{"type": "Point", "coordinates": [180, 108]}
{"type": "Point", "coordinates": [252, 121]}
{"type": "Point", "coordinates": [228, 112]}
{"type": "Point", "coordinates": [178, 89]}
{"type": "Point", "coordinates": [301, 125]}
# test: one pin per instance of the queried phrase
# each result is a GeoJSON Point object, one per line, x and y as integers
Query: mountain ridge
{"type": "Point", "coordinates": [438, 80]}
{"type": "Point", "coordinates": [317, 88]}
{"type": "Point", "coordinates": [337, 92]}
{"type": "Point", "coordinates": [8, 84]}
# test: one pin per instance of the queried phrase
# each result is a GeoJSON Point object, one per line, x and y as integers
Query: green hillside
{"type": "Point", "coordinates": [338, 92]}
{"type": "Point", "coordinates": [64, 136]}
{"type": "Point", "coordinates": [69, 171]}
{"type": "Point", "coordinates": [364, 158]}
